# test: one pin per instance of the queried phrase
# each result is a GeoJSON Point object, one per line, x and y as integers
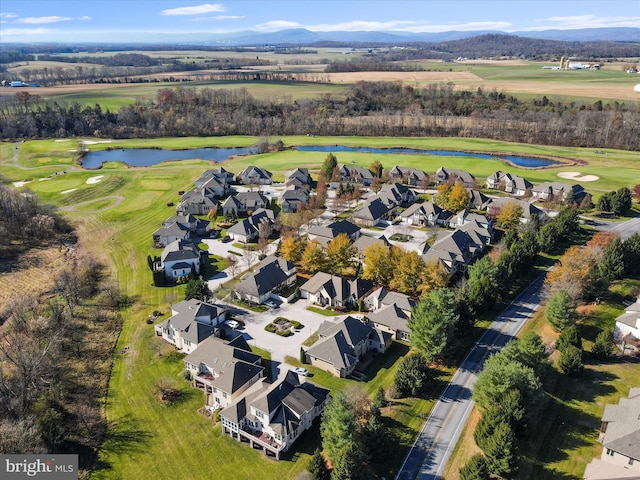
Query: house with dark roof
{"type": "Point", "coordinates": [221, 174]}
{"type": "Point", "coordinates": [425, 214]}
{"type": "Point", "coordinates": [409, 176]}
{"type": "Point", "coordinates": [465, 216]}
{"type": "Point", "coordinates": [293, 198]}
{"type": "Point", "coordinates": [223, 369]}
{"type": "Point", "coordinates": [558, 191]}
{"type": "Point", "coordinates": [381, 298]}
{"type": "Point", "coordinates": [342, 344]}
{"type": "Point", "coordinates": [325, 233]}
{"type": "Point", "coordinates": [191, 322]}
{"type": "Point", "coordinates": [253, 175]}
{"type": "Point", "coordinates": [365, 241]}
{"type": "Point", "coordinates": [169, 234]}
{"type": "Point", "coordinates": [244, 202]}
{"type": "Point", "coordinates": [393, 320]}
{"type": "Point", "coordinates": [374, 212]}
{"type": "Point", "coordinates": [509, 182]}
{"type": "Point", "coordinates": [356, 174]}
{"type": "Point", "coordinates": [334, 291]}
{"type": "Point", "coordinates": [397, 194]}
{"type": "Point", "coordinates": [248, 229]}
{"type": "Point", "coordinates": [620, 438]}
{"type": "Point", "coordinates": [179, 258]}
{"type": "Point", "coordinates": [272, 276]}
{"type": "Point", "coordinates": [298, 177]}
{"type": "Point", "coordinates": [477, 199]}
{"type": "Point", "coordinates": [528, 208]}
{"type": "Point", "coordinates": [450, 175]}
{"type": "Point", "coordinates": [197, 202]}
{"type": "Point", "coordinates": [272, 416]}
{"type": "Point", "coordinates": [452, 251]}
{"type": "Point", "coordinates": [218, 186]}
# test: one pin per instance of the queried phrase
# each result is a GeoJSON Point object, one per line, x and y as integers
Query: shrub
{"type": "Point", "coordinates": [603, 346]}
{"type": "Point", "coordinates": [570, 362]}
{"type": "Point", "coordinates": [569, 336]}
{"type": "Point", "coordinates": [412, 375]}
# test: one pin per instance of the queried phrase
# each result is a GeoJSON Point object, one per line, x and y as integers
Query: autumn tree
{"type": "Point", "coordinates": [577, 273]}
{"type": "Point", "coordinates": [458, 197]}
{"type": "Point", "coordinates": [510, 214]}
{"type": "Point", "coordinates": [379, 263]}
{"type": "Point", "coordinates": [340, 253]}
{"type": "Point", "coordinates": [292, 248]}
{"type": "Point", "coordinates": [313, 258]}
{"type": "Point", "coordinates": [433, 322]}
{"type": "Point", "coordinates": [434, 276]}
{"type": "Point", "coordinates": [408, 272]}
{"type": "Point", "coordinates": [376, 168]}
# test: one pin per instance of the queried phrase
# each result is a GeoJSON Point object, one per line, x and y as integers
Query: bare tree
{"type": "Point", "coordinates": [233, 265]}
{"type": "Point", "coordinates": [249, 255]}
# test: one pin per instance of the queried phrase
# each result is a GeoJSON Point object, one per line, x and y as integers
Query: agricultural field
{"type": "Point", "coordinates": [116, 208]}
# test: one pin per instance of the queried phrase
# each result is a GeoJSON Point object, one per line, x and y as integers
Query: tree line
{"type": "Point", "coordinates": [366, 109]}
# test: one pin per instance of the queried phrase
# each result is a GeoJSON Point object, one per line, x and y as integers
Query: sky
{"type": "Point", "coordinates": [30, 21]}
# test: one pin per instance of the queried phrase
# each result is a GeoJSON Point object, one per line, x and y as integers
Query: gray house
{"type": "Point", "coordinates": [273, 275]}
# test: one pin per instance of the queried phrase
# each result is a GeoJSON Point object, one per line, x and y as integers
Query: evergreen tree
{"type": "Point", "coordinates": [329, 165]}
{"type": "Point", "coordinates": [475, 469]}
{"type": "Point", "coordinates": [375, 438]}
{"type": "Point", "coordinates": [560, 310]}
{"type": "Point", "coordinates": [632, 255]}
{"type": "Point", "coordinates": [338, 427]}
{"type": "Point", "coordinates": [433, 322]}
{"type": "Point", "coordinates": [570, 336]}
{"type": "Point", "coordinates": [197, 289]}
{"type": "Point", "coordinates": [411, 376]}
{"type": "Point", "coordinates": [611, 265]}
{"type": "Point", "coordinates": [603, 346]}
{"type": "Point", "coordinates": [570, 361]}
{"type": "Point", "coordinates": [318, 467]}
{"type": "Point", "coordinates": [529, 350]}
{"type": "Point", "coordinates": [502, 451]}
{"type": "Point", "coordinates": [482, 285]}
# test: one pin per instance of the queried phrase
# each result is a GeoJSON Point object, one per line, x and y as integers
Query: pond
{"type": "Point", "coordinates": [145, 157]}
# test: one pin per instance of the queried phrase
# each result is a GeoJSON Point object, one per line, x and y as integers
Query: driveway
{"type": "Point", "coordinates": [279, 347]}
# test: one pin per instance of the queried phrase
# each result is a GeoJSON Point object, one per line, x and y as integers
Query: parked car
{"type": "Point", "coordinates": [232, 324]}
{"type": "Point", "coordinates": [301, 371]}
{"type": "Point", "coordinates": [271, 304]}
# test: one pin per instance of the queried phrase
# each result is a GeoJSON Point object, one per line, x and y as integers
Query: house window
{"type": "Point", "coordinates": [224, 394]}
{"type": "Point", "coordinates": [631, 461]}
{"type": "Point", "coordinates": [609, 452]}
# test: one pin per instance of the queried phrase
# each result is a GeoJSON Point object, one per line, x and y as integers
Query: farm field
{"type": "Point", "coordinates": [147, 438]}
{"type": "Point", "coordinates": [523, 79]}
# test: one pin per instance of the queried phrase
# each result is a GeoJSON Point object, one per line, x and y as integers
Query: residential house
{"type": "Point", "coordinates": [478, 200]}
{"type": "Point", "coordinates": [425, 214]}
{"type": "Point", "coordinates": [342, 344]}
{"type": "Point", "coordinates": [293, 198]}
{"type": "Point", "coordinates": [465, 216]}
{"type": "Point", "coordinates": [334, 291]}
{"type": "Point", "coordinates": [220, 173]}
{"type": "Point", "coordinates": [191, 322]}
{"type": "Point", "coordinates": [629, 324]}
{"type": "Point", "coordinates": [298, 177]}
{"type": "Point", "coordinates": [479, 236]}
{"type": "Point", "coordinates": [372, 213]}
{"type": "Point", "coordinates": [381, 298]}
{"type": "Point", "coordinates": [324, 234]}
{"type": "Point", "coordinates": [273, 275]}
{"type": "Point", "coordinates": [493, 180]}
{"type": "Point", "coordinates": [397, 194]}
{"type": "Point", "coordinates": [620, 438]}
{"type": "Point", "coordinates": [253, 175]}
{"type": "Point", "coordinates": [558, 191]}
{"type": "Point", "coordinates": [510, 183]}
{"type": "Point", "coordinates": [243, 203]}
{"type": "Point", "coordinates": [223, 369]}
{"type": "Point", "coordinates": [392, 319]}
{"type": "Point", "coordinates": [453, 251]}
{"type": "Point", "coordinates": [197, 202]}
{"type": "Point", "coordinates": [273, 416]}
{"type": "Point", "coordinates": [365, 241]}
{"type": "Point", "coordinates": [528, 209]}
{"type": "Point", "coordinates": [449, 175]}
{"type": "Point", "coordinates": [356, 174]}
{"type": "Point", "coordinates": [217, 186]}
{"type": "Point", "coordinates": [248, 229]}
{"type": "Point", "coordinates": [409, 176]}
{"type": "Point", "coordinates": [179, 258]}
{"type": "Point", "coordinates": [172, 233]}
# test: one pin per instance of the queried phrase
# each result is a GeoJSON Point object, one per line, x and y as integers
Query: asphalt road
{"type": "Point", "coordinates": [624, 229]}
{"type": "Point", "coordinates": [431, 451]}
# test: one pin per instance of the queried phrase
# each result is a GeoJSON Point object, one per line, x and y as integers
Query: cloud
{"type": "Point", "coordinates": [7, 15]}
{"type": "Point", "coordinates": [16, 32]}
{"type": "Point", "coordinates": [278, 25]}
{"type": "Point", "coordinates": [195, 10]}
{"type": "Point", "coordinates": [217, 17]}
{"type": "Point", "coordinates": [585, 21]}
{"type": "Point", "coordinates": [40, 20]}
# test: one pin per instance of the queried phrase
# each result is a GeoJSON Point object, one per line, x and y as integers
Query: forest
{"type": "Point", "coordinates": [367, 109]}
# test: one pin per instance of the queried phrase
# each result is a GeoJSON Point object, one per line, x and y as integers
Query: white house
{"type": "Point", "coordinates": [179, 258]}
{"type": "Point", "coordinates": [629, 323]}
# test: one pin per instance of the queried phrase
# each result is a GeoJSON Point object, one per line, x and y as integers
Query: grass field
{"type": "Point", "coordinates": [146, 438]}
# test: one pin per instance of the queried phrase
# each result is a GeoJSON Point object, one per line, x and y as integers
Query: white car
{"type": "Point", "coordinates": [232, 324]}
{"type": "Point", "coordinates": [271, 304]}
{"type": "Point", "coordinates": [301, 371]}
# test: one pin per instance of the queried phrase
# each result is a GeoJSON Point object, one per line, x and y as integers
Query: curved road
{"type": "Point", "coordinates": [431, 451]}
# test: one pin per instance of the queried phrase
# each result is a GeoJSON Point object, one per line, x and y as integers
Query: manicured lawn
{"type": "Point", "coordinates": [148, 439]}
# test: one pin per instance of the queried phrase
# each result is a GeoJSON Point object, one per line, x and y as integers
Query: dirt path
{"type": "Point", "coordinates": [74, 208]}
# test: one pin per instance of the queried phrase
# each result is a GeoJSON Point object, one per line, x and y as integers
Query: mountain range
{"type": "Point", "coordinates": [301, 36]}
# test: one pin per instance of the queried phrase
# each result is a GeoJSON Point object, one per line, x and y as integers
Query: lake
{"type": "Point", "coordinates": [146, 157]}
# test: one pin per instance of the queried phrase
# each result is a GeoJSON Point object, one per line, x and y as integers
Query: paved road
{"type": "Point", "coordinates": [625, 229]}
{"type": "Point", "coordinates": [431, 451]}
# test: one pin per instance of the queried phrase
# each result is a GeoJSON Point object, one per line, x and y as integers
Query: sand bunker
{"type": "Point", "coordinates": [578, 177]}
{"type": "Point", "coordinates": [68, 191]}
{"type": "Point", "coordinates": [92, 180]}
{"type": "Point", "coordinates": [20, 184]}
{"type": "Point", "coordinates": [94, 142]}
